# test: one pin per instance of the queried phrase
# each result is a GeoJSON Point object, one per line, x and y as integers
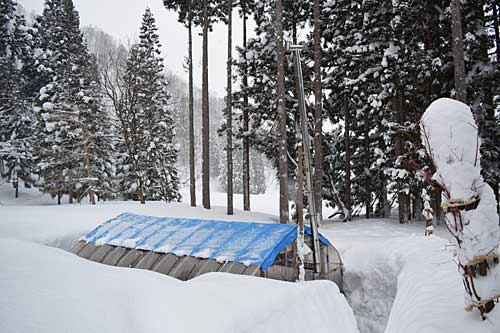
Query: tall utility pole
{"type": "Point", "coordinates": [246, 144]}
{"type": "Point", "coordinates": [205, 114]}
{"type": "Point", "coordinates": [458, 50]}
{"type": "Point", "coordinates": [283, 139]}
{"type": "Point", "coordinates": [192, 175]}
{"type": "Point", "coordinates": [318, 113]}
{"type": "Point", "coordinates": [306, 145]}
{"type": "Point", "coordinates": [229, 109]}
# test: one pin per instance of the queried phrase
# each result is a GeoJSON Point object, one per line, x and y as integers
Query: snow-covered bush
{"type": "Point", "coordinates": [450, 136]}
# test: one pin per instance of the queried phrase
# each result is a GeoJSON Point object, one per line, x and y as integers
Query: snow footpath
{"type": "Point", "coordinates": [397, 280]}
{"type": "Point", "coordinates": [45, 289]}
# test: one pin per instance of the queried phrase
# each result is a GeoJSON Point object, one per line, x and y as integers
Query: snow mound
{"type": "Point", "coordinates": [70, 294]}
{"type": "Point", "coordinates": [450, 136]}
{"type": "Point", "coordinates": [430, 296]}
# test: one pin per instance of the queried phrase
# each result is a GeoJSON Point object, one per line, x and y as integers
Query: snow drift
{"type": "Point", "coordinates": [49, 290]}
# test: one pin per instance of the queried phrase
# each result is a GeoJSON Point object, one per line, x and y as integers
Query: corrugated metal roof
{"type": "Point", "coordinates": [248, 243]}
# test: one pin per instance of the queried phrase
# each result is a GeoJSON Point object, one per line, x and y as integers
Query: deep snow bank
{"type": "Point", "coordinates": [430, 296]}
{"type": "Point", "coordinates": [397, 280]}
{"type": "Point", "coordinates": [45, 289]}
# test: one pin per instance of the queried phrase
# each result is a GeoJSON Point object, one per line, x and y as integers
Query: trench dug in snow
{"type": "Point", "coordinates": [371, 288]}
{"type": "Point", "coordinates": [400, 281]}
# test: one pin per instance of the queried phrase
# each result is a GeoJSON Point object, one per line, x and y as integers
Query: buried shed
{"type": "Point", "coordinates": [185, 248]}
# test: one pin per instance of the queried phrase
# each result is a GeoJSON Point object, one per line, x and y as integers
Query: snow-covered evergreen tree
{"type": "Point", "coordinates": [16, 116]}
{"type": "Point", "coordinates": [149, 170]}
{"type": "Point", "coordinates": [73, 146]}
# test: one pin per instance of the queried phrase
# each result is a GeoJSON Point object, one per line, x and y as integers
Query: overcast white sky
{"type": "Point", "coordinates": [121, 18]}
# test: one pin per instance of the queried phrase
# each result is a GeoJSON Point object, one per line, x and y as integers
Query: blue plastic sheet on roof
{"type": "Point", "coordinates": [249, 243]}
{"type": "Point", "coordinates": [322, 238]}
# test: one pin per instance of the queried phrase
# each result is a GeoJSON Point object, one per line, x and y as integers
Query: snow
{"type": "Point", "coordinates": [47, 289]}
{"type": "Point", "coordinates": [48, 106]}
{"type": "Point", "coordinates": [70, 294]}
{"type": "Point", "coordinates": [450, 135]}
{"type": "Point", "coordinates": [396, 280]}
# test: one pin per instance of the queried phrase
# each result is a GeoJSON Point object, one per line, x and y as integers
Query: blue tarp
{"type": "Point", "coordinates": [249, 243]}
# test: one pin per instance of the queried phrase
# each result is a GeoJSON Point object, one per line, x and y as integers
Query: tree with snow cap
{"type": "Point", "coordinates": [451, 139]}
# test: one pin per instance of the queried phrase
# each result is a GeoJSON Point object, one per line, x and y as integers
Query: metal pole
{"type": "Point", "coordinates": [306, 144]}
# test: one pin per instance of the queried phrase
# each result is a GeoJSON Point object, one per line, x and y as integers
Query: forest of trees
{"type": "Point", "coordinates": [371, 69]}
{"type": "Point", "coordinates": [56, 132]}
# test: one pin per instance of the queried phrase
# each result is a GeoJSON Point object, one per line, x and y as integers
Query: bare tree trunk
{"type": "Point", "coordinates": [205, 114]}
{"type": "Point", "coordinates": [229, 110]}
{"type": "Point", "coordinates": [89, 175]}
{"type": "Point", "coordinates": [283, 139]}
{"type": "Point", "coordinates": [368, 181]}
{"type": "Point", "coordinates": [386, 204]}
{"type": "Point", "coordinates": [497, 31]}
{"type": "Point", "coordinates": [246, 127]}
{"type": "Point", "coordinates": [318, 112]}
{"type": "Point", "coordinates": [458, 51]}
{"type": "Point", "coordinates": [192, 174]}
{"type": "Point", "coordinates": [70, 188]}
{"type": "Point", "coordinates": [487, 116]}
{"type": "Point", "coordinates": [16, 183]}
{"type": "Point", "coordinates": [347, 167]}
{"type": "Point", "coordinates": [399, 147]}
{"type": "Point", "coordinates": [142, 197]}
{"type": "Point", "coordinates": [436, 199]}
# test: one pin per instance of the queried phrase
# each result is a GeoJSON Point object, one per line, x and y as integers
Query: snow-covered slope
{"type": "Point", "coordinates": [45, 289]}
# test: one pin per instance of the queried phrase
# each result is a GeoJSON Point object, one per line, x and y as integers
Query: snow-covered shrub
{"type": "Point", "coordinates": [450, 136]}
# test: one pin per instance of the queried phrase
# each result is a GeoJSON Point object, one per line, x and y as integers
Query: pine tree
{"type": "Point", "coordinates": [73, 147]}
{"type": "Point", "coordinates": [482, 80]}
{"type": "Point", "coordinates": [147, 122]}
{"type": "Point", "coordinates": [16, 118]}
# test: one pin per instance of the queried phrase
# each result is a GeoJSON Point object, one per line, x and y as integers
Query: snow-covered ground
{"type": "Point", "coordinates": [396, 279]}
{"type": "Point", "coordinates": [46, 289]}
